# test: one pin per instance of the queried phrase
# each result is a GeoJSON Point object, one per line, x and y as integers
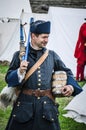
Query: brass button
{"type": "Point", "coordinates": [38, 97]}
{"type": "Point", "coordinates": [52, 119]}
{"type": "Point", "coordinates": [14, 115]}
{"type": "Point", "coordinates": [39, 84]}
{"type": "Point", "coordinates": [39, 75]}
{"type": "Point", "coordinates": [39, 67]}
{"type": "Point", "coordinates": [39, 71]}
{"type": "Point", "coordinates": [45, 102]}
{"type": "Point", "coordinates": [39, 79]}
{"type": "Point", "coordinates": [38, 88]}
{"type": "Point", "coordinates": [43, 116]}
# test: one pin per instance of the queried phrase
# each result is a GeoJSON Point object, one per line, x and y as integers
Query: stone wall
{"type": "Point", "coordinates": [41, 6]}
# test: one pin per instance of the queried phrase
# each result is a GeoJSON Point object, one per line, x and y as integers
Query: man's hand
{"type": "Point", "coordinates": [67, 90]}
{"type": "Point", "coordinates": [23, 66]}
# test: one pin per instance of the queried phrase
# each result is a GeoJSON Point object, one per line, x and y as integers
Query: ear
{"type": "Point", "coordinates": [33, 35]}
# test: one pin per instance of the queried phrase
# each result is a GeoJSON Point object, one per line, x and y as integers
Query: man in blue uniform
{"type": "Point", "coordinates": [35, 108]}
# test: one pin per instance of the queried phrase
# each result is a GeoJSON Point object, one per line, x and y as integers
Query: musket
{"type": "Point", "coordinates": [22, 46]}
{"type": "Point", "coordinates": [28, 41]}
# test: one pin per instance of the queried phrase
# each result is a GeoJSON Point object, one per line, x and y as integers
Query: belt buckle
{"type": "Point", "coordinates": [36, 93]}
{"type": "Point", "coordinates": [33, 93]}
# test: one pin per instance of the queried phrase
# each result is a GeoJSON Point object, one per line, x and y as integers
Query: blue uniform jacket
{"type": "Point", "coordinates": [42, 77]}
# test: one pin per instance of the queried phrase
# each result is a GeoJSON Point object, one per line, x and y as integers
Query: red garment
{"type": "Point", "coordinates": [80, 52]}
{"type": "Point", "coordinates": [80, 49]}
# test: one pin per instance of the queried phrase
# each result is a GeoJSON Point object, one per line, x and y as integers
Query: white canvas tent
{"type": "Point", "coordinates": [64, 33]}
{"type": "Point", "coordinates": [76, 107]}
{"type": "Point", "coordinates": [10, 13]}
{"type": "Point", "coordinates": [65, 28]}
{"type": "Point", "coordinates": [7, 39]}
{"type": "Point", "coordinates": [13, 8]}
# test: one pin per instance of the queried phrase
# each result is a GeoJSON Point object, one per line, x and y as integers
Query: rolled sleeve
{"type": "Point", "coordinates": [20, 76]}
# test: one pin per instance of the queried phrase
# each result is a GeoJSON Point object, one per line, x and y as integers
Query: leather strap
{"type": "Point", "coordinates": [39, 93]}
{"type": "Point", "coordinates": [36, 65]}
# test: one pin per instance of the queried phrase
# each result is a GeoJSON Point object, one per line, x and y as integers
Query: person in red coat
{"type": "Point", "coordinates": [80, 53]}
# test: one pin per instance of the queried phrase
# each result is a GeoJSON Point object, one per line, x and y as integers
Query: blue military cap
{"type": "Point", "coordinates": [40, 27]}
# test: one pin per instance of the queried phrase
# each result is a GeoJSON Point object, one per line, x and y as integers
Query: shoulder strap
{"type": "Point", "coordinates": [36, 65]}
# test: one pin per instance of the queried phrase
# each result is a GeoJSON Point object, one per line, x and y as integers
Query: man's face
{"type": "Point", "coordinates": [40, 41]}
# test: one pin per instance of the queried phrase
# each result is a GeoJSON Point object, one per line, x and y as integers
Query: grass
{"type": "Point", "coordinates": [4, 115]}
{"type": "Point", "coordinates": [66, 123]}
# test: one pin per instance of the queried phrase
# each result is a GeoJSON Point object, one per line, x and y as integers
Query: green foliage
{"type": "Point", "coordinates": [3, 70]}
{"type": "Point", "coordinates": [66, 123]}
{"type": "Point", "coordinates": [4, 114]}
